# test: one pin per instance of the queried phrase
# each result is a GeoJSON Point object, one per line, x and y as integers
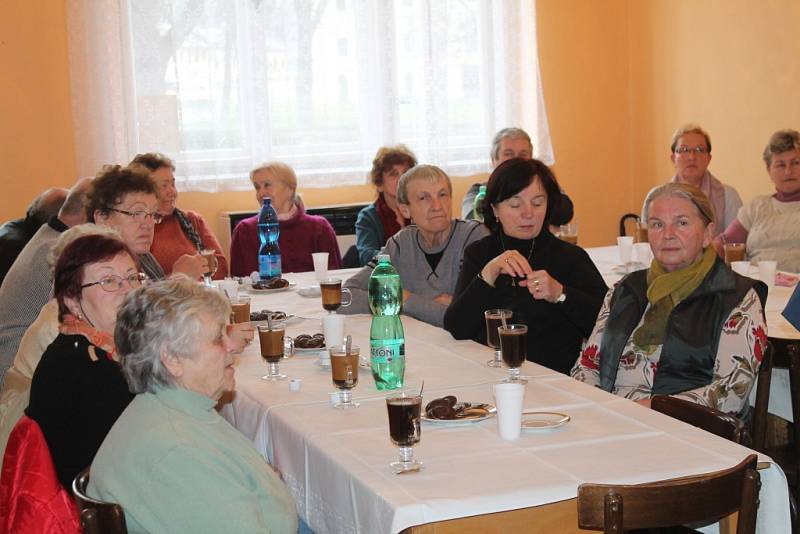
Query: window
{"type": "Point", "coordinates": [223, 85]}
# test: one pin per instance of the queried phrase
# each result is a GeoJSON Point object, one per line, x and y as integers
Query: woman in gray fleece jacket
{"type": "Point", "coordinates": [427, 254]}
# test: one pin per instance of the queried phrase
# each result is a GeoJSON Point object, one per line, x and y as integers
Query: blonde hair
{"type": "Point", "coordinates": [779, 142]}
{"type": "Point", "coordinates": [278, 170]}
{"type": "Point", "coordinates": [689, 128]}
{"type": "Point", "coordinates": [685, 191]}
{"type": "Point", "coordinates": [431, 173]}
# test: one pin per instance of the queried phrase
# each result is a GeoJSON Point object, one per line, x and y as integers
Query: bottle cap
{"type": "Point", "coordinates": [383, 257]}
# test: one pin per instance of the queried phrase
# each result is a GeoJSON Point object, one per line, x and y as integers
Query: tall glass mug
{"type": "Point", "coordinates": [494, 320]}
{"type": "Point", "coordinates": [404, 411]}
{"type": "Point", "coordinates": [331, 291]}
{"type": "Point", "coordinates": [569, 232]}
{"type": "Point", "coordinates": [514, 347]}
{"type": "Point", "coordinates": [240, 309]}
{"type": "Point", "coordinates": [344, 372]}
{"type": "Point", "coordinates": [274, 344]}
{"type": "Point", "coordinates": [734, 252]}
{"type": "Point", "coordinates": [211, 260]}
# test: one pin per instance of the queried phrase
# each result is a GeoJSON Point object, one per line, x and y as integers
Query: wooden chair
{"type": "Point", "coordinates": [97, 517]}
{"type": "Point", "coordinates": [622, 220]}
{"type": "Point", "coordinates": [758, 420]}
{"type": "Point", "coordinates": [714, 421]}
{"type": "Point", "coordinates": [700, 499]}
{"type": "Point", "coordinates": [786, 354]}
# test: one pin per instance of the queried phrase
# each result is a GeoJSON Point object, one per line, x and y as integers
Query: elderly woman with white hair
{"type": "Point", "coordinates": [171, 461]}
{"type": "Point", "coordinates": [427, 254]}
{"type": "Point", "coordinates": [301, 234]}
{"type": "Point", "coordinates": [688, 326]}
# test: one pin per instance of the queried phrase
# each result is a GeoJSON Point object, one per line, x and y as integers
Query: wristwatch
{"type": "Point", "coordinates": [561, 298]}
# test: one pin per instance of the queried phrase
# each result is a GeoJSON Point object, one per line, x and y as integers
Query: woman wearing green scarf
{"type": "Point", "coordinates": [688, 326]}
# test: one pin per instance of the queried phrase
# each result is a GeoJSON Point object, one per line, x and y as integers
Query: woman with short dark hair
{"type": "Point", "coordinates": [78, 390]}
{"type": "Point", "coordinates": [551, 286]}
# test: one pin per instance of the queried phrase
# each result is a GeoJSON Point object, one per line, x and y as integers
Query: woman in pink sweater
{"type": "Point", "coordinates": [301, 234]}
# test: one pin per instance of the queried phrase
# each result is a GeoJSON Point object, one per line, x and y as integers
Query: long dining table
{"type": "Point", "coordinates": [336, 462]}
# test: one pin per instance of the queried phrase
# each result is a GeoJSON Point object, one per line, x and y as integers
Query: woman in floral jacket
{"type": "Point", "coordinates": [688, 326]}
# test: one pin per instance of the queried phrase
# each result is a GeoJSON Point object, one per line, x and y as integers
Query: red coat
{"type": "Point", "coordinates": [31, 498]}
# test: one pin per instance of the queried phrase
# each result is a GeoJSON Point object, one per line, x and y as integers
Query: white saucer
{"type": "Point", "coordinates": [535, 421]}
{"type": "Point", "coordinates": [309, 291]}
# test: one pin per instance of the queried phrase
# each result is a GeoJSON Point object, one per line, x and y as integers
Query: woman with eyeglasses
{"type": "Point", "coordinates": [768, 224]}
{"type": "Point", "coordinates": [180, 232]}
{"type": "Point", "coordinates": [125, 199]}
{"type": "Point", "coordinates": [690, 153]}
{"type": "Point", "coordinates": [78, 390]}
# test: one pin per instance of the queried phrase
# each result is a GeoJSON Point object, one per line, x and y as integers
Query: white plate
{"type": "Point", "coordinates": [287, 288]}
{"type": "Point", "coordinates": [543, 420]}
{"type": "Point", "coordinates": [309, 291]}
{"type": "Point", "coordinates": [298, 350]}
{"type": "Point", "coordinates": [462, 420]}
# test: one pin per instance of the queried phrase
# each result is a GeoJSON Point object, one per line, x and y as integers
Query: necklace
{"type": "Point", "coordinates": [530, 253]}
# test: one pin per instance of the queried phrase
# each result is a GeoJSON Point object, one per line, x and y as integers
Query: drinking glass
{"type": "Point", "coordinates": [734, 252]}
{"type": "Point", "coordinates": [274, 343]}
{"type": "Point", "coordinates": [211, 259]}
{"type": "Point", "coordinates": [514, 347]}
{"type": "Point", "coordinates": [569, 232]}
{"type": "Point", "coordinates": [404, 411]}
{"type": "Point", "coordinates": [331, 290]}
{"type": "Point", "coordinates": [344, 371]}
{"type": "Point", "coordinates": [240, 309]}
{"type": "Point", "coordinates": [494, 320]}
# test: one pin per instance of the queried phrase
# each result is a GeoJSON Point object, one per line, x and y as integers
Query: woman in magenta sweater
{"type": "Point", "coordinates": [301, 234]}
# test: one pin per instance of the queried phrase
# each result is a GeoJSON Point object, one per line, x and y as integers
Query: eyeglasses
{"type": "Point", "coordinates": [699, 150]}
{"type": "Point", "coordinates": [113, 283]}
{"type": "Point", "coordinates": [140, 215]}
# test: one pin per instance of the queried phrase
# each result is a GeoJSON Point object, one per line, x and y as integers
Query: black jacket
{"type": "Point", "coordinates": [555, 331]}
{"type": "Point", "coordinates": [693, 330]}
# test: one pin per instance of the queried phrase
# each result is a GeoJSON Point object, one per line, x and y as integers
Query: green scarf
{"type": "Point", "coordinates": [664, 292]}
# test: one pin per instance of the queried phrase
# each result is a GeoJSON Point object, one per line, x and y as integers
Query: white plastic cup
{"type": "Point", "coordinates": [294, 384]}
{"type": "Point", "coordinates": [508, 398]}
{"type": "Point", "coordinates": [766, 271]}
{"type": "Point", "coordinates": [230, 288]}
{"type": "Point", "coordinates": [741, 267]}
{"type": "Point", "coordinates": [320, 265]}
{"type": "Point", "coordinates": [643, 253]}
{"type": "Point", "coordinates": [625, 246]}
{"type": "Point", "coordinates": [333, 328]}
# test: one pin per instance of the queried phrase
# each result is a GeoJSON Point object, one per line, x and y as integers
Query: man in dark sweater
{"type": "Point", "coordinates": [15, 234]}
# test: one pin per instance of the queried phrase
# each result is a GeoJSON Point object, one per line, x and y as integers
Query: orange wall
{"type": "Point", "coordinates": [732, 66]}
{"type": "Point", "coordinates": [36, 143]}
{"type": "Point", "coordinates": [618, 75]}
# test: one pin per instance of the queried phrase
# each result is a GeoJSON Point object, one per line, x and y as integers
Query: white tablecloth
{"type": "Point", "coordinates": [336, 462]}
{"type": "Point", "coordinates": [780, 401]}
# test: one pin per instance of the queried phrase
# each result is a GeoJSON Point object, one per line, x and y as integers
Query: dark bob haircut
{"type": "Point", "coordinates": [511, 177]}
{"type": "Point", "coordinates": [71, 264]}
{"type": "Point", "coordinates": [110, 186]}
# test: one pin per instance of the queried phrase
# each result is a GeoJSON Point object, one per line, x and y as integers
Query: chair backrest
{"type": "Point", "coordinates": [786, 354]}
{"type": "Point", "coordinates": [710, 497]}
{"type": "Point", "coordinates": [97, 517]}
{"type": "Point", "coordinates": [622, 220]}
{"type": "Point", "coordinates": [714, 421]}
{"type": "Point", "coordinates": [758, 423]}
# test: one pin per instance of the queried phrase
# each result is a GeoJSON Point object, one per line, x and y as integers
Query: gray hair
{"type": "Point", "coordinates": [685, 191]}
{"type": "Point", "coordinates": [71, 234]}
{"type": "Point", "coordinates": [779, 142]}
{"type": "Point", "coordinates": [689, 128]}
{"type": "Point", "coordinates": [163, 317]}
{"type": "Point", "coordinates": [508, 133]}
{"type": "Point", "coordinates": [431, 173]}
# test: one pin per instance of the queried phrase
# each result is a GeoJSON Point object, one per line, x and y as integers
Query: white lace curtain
{"type": "Point", "coordinates": [223, 85]}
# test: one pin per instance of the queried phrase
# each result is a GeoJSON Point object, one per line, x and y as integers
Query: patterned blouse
{"type": "Point", "coordinates": [741, 346]}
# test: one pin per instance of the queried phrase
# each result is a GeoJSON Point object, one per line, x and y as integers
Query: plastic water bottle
{"type": "Point", "coordinates": [476, 213]}
{"type": "Point", "coordinates": [386, 338]}
{"type": "Point", "coordinates": [269, 254]}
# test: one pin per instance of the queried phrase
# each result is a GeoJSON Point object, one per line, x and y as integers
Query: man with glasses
{"type": "Point", "coordinates": [691, 155]}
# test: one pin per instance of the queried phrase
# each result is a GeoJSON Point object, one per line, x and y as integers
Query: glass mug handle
{"type": "Point", "coordinates": [346, 291]}
{"type": "Point", "coordinates": [288, 347]}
